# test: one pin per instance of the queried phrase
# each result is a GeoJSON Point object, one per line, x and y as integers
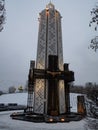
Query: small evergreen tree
{"type": "Point", "coordinates": [20, 88]}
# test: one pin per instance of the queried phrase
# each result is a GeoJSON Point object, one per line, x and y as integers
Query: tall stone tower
{"type": "Point", "coordinates": [47, 77]}
{"type": "Point", "coordinates": [49, 43]}
{"type": "Point", "coordinates": [49, 37]}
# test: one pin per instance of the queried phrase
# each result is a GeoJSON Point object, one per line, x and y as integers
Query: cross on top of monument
{"type": "Point", "coordinates": [50, 5]}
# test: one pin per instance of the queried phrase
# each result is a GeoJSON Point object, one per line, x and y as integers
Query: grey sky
{"type": "Point", "coordinates": [18, 40]}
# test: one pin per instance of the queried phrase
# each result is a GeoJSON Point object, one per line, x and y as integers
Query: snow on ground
{"type": "Point", "coordinates": [6, 123]}
{"type": "Point", "coordinates": [19, 98]}
{"type": "Point", "coordinates": [73, 101]}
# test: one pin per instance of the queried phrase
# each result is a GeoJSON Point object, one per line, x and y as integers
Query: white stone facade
{"type": "Point", "coordinates": [49, 43]}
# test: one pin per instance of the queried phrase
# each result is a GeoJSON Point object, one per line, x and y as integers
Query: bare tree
{"type": "Point", "coordinates": [2, 14]}
{"type": "Point", "coordinates": [12, 89]}
{"type": "Point", "coordinates": [91, 90]}
{"type": "Point", "coordinates": [94, 21]}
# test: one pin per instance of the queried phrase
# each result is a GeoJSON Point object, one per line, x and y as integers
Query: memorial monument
{"type": "Point", "coordinates": [49, 78]}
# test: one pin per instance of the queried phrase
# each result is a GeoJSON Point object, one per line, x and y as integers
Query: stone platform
{"type": "Point", "coordinates": [46, 118]}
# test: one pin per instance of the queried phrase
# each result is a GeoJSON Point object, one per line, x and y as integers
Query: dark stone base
{"type": "Point", "coordinates": [31, 117]}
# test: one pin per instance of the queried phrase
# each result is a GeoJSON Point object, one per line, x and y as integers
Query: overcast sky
{"type": "Point", "coordinates": [18, 40]}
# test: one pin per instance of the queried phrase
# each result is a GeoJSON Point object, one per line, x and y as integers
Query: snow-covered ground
{"type": "Point", "coordinates": [6, 123]}
{"type": "Point", "coordinates": [19, 98]}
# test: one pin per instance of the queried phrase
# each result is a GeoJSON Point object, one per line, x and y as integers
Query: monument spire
{"type": "Point", "coordinates": [48, 80]}
{"type": "Point", "coordinates": [50, 5]}
{"type": "Point", "coordinates": [49, 77]}
{"type": "Point", "coordinates": [49, 43]}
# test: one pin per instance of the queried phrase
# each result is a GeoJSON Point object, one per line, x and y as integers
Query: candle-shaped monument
{"type": "Point", "coordinates": [49, 78]}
